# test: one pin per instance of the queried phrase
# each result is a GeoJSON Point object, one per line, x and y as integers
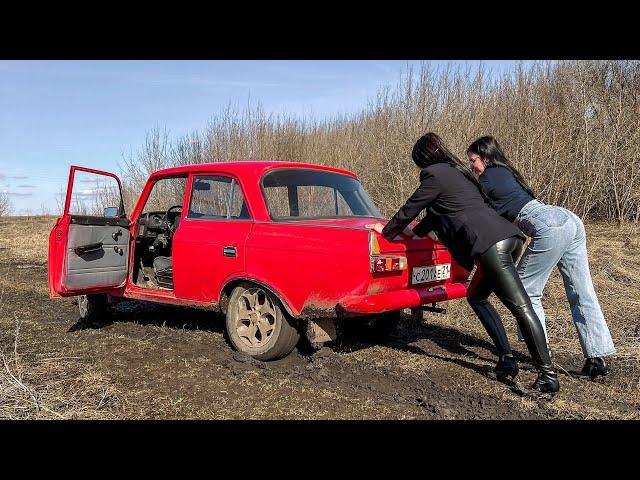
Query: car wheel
{"type": "Point", "coordinates": [93, 307]}
{"type": "Point", "coordinates": [256, 324]}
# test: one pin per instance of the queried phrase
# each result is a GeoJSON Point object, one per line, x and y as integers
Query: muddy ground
{"type": "Point", "coordinates": [152, 361]}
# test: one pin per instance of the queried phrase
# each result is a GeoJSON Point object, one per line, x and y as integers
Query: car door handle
{"type": "Point", "coordinates": [93, 247]}
{"type": "Point", "coordinates": [229, 252]}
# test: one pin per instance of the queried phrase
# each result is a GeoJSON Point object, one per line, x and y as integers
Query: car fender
{"type": "Point", "coordinates": [284, 300]}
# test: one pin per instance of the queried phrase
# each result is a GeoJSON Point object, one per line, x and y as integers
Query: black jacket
{"type": "Point", "coordinates": [464, 222]}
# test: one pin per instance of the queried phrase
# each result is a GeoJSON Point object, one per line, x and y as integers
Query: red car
{"type": "Point", "coordinates": [280, 248]}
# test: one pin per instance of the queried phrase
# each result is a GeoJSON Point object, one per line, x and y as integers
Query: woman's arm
{"type": "Point", "coordinates": [426, 193]}
{"type": "Point", "coordinates": [378, 227]}
{"type": "Point", "coordinates": [424, 226]}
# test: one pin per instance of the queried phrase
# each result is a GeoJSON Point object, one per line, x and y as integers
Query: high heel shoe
{"type": "Point", "coordinates": [595, 366]}
{"type": "Point", "coordinates": [547, 381]}
{"type": "Point", "coordinates": [507, 367]}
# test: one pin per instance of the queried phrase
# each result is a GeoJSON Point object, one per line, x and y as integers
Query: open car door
{"type": "Point", "coordinates": [89, 244]}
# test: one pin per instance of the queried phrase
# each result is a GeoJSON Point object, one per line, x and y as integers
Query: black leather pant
{"type": "Point", "coordinates": [496, 272]}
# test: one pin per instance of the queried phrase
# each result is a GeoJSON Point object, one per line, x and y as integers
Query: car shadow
{"type": "Point", "coordinates": [156, 314]}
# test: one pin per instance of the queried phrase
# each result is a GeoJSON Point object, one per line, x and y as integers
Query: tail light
{"type": "Point", "coordinates": [383, 263]}
{"type": "Point", "coordinates": [388, 264]}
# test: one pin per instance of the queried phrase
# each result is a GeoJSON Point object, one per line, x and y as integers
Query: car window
{"type": "Point", "coordinates": [165, 193]}
{"type": "Point", "coordinates": [91, 194]}
{"type": "Point", "coordinates": [305, 193]}
{"type": "Point", "coordinates": [322, 201]}
{"type": "Point", "coordinates": [216, 197]}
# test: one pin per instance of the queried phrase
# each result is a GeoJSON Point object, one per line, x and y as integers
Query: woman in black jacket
{"type": "Point", "coordinates": [465, 223]}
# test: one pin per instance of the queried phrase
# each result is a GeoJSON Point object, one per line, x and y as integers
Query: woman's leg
{"type": "Point", "coordinates": [592, 328]}
{"type": "Point", "coordinates": [551, 232]}
{"type": "Point", "coordinates": [535, 267]}
{"type": "Point", "coordinates": [477, 296]}
{"type": "Point", "coordinates": [498, 268]}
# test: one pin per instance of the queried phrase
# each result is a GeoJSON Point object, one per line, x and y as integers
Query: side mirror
{"type": "Point", "coordinates": [110, 212]}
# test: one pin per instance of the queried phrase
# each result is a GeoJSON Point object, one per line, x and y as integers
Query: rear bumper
{"type": "Point", "coordinates": [400, 299]}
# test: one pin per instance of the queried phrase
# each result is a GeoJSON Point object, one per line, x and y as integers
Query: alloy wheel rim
{"type": "Point", "coordinates": [256, 320]}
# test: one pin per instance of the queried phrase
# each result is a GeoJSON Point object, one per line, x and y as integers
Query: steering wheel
{"type": "Point", "coordinates": [170, 225]}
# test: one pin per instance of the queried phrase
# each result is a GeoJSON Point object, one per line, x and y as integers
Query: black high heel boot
{"type": "Point", "coordinates": [491, 322]}
{"type": "Point", "coordinates": [534, 337]}
{"type": "Point", "coordinates": [507, 367]}
{"type": "Point", "coordinates": [547, 381]}
{"type": "Point", "coordinates": [595, 366]}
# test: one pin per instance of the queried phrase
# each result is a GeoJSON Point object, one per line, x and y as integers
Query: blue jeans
{"type": "Point", "coordinates": [558, 238]}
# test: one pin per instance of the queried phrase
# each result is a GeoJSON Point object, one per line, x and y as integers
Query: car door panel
{"type": "Point", "coordinates": [105, 265]}
{"type": "Point", "coordinates": [200, 262]}
{"type": "Point", "coordinates": [88, 253]}
{"type": "Point", "coordinates": [209, 246]}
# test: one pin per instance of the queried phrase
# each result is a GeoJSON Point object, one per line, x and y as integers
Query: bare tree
{"type": "Point", "coordinates": [5, 204]}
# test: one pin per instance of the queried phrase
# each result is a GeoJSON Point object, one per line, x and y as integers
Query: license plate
{"type": "Point", "coordinates": [430, 274]}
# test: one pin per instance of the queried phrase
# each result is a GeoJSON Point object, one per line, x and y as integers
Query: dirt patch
{"type": "Point", "coordinates": [158, 361]}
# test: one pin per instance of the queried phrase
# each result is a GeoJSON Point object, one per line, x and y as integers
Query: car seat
{"type": "Point", "coordinates": [162, 267]}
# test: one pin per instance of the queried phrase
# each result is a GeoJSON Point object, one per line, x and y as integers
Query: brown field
{"type": "Point", "coordinates": [164, 362]}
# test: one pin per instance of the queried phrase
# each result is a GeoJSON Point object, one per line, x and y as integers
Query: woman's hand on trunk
{"type": "Point", "coordinates": [375, 226]}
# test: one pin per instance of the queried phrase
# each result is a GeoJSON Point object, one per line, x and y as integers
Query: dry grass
{"type": "Point", "coordinates": [25, 239]}
{"type": "Point", "coordinates": [52, 386]}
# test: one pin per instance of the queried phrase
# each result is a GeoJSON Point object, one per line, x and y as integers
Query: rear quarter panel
{"type": "Point", "coordinates": [310, 266]}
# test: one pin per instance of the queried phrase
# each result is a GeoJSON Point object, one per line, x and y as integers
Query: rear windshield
{"type": "Point", "coordinates": [299, 193]}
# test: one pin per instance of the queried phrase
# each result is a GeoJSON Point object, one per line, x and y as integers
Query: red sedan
{"type": "Point", "coordinates": [281, 248]}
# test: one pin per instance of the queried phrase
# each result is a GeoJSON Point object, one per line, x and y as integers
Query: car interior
{"type": "Point", "coordinates": [152, 256]}
{"type": "Point", "coordinates": [152, 267]}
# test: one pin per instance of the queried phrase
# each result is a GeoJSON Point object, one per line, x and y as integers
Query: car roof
{"type": "Point", "coordinates": [245, 168]}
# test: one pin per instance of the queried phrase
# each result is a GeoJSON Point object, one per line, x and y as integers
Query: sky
{"type": "Point", "coordinates": [54, 114]}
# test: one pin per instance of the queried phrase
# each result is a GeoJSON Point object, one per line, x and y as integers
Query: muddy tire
{"type": "Point", "coordinates": [256, 324]}
{"type": "Point", "coordinates": [93, 307]}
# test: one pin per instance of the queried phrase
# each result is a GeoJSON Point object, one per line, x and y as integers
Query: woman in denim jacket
{"type": "Point", "coordinates": [557, 238]}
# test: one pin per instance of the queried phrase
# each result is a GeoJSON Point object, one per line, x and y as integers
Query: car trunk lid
{"type": "Point", "coordinates": [403, 245]}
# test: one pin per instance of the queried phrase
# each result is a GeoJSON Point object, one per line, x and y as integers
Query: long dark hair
{"type": "Point", "coordinates": [430, 149]}
{"type": "Point", "coordinates": [493, 156]}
